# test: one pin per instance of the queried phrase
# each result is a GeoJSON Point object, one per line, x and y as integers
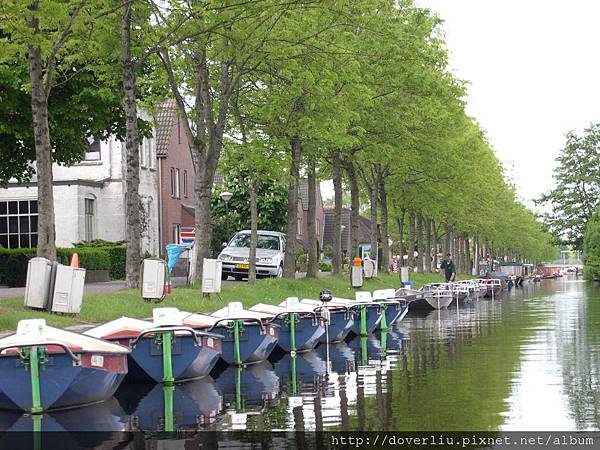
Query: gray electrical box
{"type": "Point", "coordinates": [68, 289]}
{"type": "Point", "coordinates": [39, 271]}
{"type": "Point", "coordinates": [356, 276]}
{"type": "Point", "coordinates": [403, 274]}
{"type": "Point", "coordinates": [154, 276]}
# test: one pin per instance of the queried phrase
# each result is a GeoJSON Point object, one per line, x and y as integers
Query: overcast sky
{"type": "Point", "coordinates": [534, 73]}
{"type": "Point", "coordinates": [533, 68]}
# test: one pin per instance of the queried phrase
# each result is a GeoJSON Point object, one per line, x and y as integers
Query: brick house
{"type": "Point", "coordinates": [364, 229]}
{"type": "Point", "coordinates": [302, 231]}
{"type": "Point", "coordinates": [174, 175]}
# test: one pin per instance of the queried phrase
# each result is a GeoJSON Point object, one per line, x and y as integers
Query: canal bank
{"type": "Point", "coordinates": [527, 360]}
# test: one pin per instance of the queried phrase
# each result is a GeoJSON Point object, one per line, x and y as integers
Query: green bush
{"type": "Point", "coordinates": [302, 262]}
{"type": "Point", "coordinates": [324, 267]}
{"type": "Point", "coordinates": [13, 262]}
{"type": "Point", "coordinates": [591, 244]}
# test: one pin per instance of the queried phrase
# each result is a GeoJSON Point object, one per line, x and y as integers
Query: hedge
{"type": "Point", "coordinates": [13, 262]}
{"type": "Point", "coordinates": [591, 244]}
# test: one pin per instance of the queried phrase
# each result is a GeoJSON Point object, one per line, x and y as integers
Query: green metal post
{"type": "Point", "coordinates": [294, 376]}
{"type": "Point", "coordinates": [363, 350]}
{"type": "Point", "coordinates": [383, 343]}
{"type": "Point", "coordinates": [292, 320]}
{"type": "Point", "coordinates": [239, 404]}
{"type": "Point", "coordinates": [167, 359]}
{"type": "Point", "coordinates": [34, 365]}
{"type": "Point", "coordinates": [168, 396]}
{"type": "Point", "coordinates": [237, 325]}
{"type": "Point", "coordinates": [37, 431]}
{"type": "Point", "coordinates": [383, 322]}
{"type": "Point", "coordinates": [363, 320]}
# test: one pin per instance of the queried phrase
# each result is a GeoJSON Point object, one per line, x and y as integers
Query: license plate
{"type": "Point", "coordinates": [242, 266]}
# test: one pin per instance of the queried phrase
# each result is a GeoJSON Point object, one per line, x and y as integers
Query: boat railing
{"type": "Point", "coordinates": [300, 313]}
{"type": "Point", "coordinates": [19, 345]}
{"type": "Point", "coordinates": [196, 336]}
{"type": "Point", "coordinates": [345, 308]}
{"type": "Point", "coordinates": [245, 320]}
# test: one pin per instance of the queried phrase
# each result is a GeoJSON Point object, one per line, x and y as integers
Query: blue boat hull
{"type": "Point", "coordinates": [373, 319]}
{"type": "Point", "coordinates": [395, 313]}
{"type": "Point", "coordinates": [195, 403]}
{"type": "Point", "coordinates": [339, 327]}
{"type": "Point", "coordinates": [255, 384]}
{"type": "Point", "coordinates": [341, 357]}
{"type": "Point", "coordinates": [308, 366]}
{"type": "Point", "coordinates": [189, 360]}
{"type": "Point", "coordinates": [307, 334]}
{"type": "Point", "coordinates": [62, 384]}
{"type": "Point", "coordinates": [254, 346]}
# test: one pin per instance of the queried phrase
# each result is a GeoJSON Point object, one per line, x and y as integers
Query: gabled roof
{"type": "Point", "coordinates": [165, 118]}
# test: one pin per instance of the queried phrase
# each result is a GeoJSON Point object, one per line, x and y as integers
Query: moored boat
{"type": "Point", "coordinates": [367, 314]}
{"type": "Point", "coordinates": [247, 339]}
{"type": "Point", "coordinates": [163, 351]}
{"type": "Point", "coordinates": [340, 320]}
{"type": "Point", "coordinates": [422, 300]}
{"type": "Point", "coordinates": [44, 368]}
{"type": "Point", "coordinates": [395, 308]}
{"type": "Point", "coordinates": [300, 330]}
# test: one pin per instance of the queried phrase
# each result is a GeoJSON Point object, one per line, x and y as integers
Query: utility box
{"type": "Point", "coordinates": [37, 287]}
{"type": "Point", "coordinates": [211, 276]}
{"type": "Point", "coordinates": [403, 274]}
{"type": "Point", "coordinates": [356, 276]}
{"type": "Point", "coordinates": [370, 267]}
{"type": "Point", "coordinates": [154, 275]}
{"type": "Point", "coordinates": [68, 289]}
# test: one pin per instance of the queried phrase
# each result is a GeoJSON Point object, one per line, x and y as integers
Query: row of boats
{"type": "Point", "coordinates": [45, 368]}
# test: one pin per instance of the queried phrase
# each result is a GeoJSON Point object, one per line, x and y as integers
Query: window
{"type": "Point", "coordinates": [172, 181]}
{"type": "Point", "coordinates": [299, 231]}
{"type": "Point", "coordinates": [185, 188]}
{"type": "Point", "coordinates": [18, 223]}
{"type": "Point", "coordinates": [149, 152]}
{"type": "Point", "coordinates": [90, 221]}
{"type": "Point", "coordinates": [93, 152]}
{"type": "Point", "coordinates": [177, 183]}
{"type": "Point", "coordinates": [176, 233]}
{"type": "Point", "coordinates": [318, 227]}
{"type": "Point", "coordinates": [142, 153]}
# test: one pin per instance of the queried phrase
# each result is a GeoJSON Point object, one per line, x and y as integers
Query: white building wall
{"type": "Point", "coordinates": [107, 179]}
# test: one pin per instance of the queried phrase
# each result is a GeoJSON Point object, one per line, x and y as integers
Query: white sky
{"type": "Point", "coordinates": [534, 73]}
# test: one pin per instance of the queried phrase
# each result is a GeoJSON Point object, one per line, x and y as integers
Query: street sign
{"type": "Point", "coordinates": [187, 235]}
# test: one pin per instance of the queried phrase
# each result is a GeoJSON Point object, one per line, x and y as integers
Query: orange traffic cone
{"type": "Point", "coordinates": [75, 260]}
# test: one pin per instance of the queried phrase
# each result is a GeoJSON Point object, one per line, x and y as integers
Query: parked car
{"type": "Point", "coordinates": [270, 251]}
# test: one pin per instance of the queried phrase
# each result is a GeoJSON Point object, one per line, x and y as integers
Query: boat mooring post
{"type": "Point", "coordinates": [363, 350]}
{"type": "Point", "coordinates": [35, 355]}
{"type": "Point", "coordinates": [294, 376]}
{"type": "Point", "coordinates": [168, 391]}
{"type": "Point", "coordinates": [363, 320]}
{"type": "Point", "coordinates": [239, 403]}
{"type": "Point", "coordinates": [292, 318]}
{"type": "Point", "coordinates": [167, 342]}
{"type": "Point", "coordinates": [383, 322]}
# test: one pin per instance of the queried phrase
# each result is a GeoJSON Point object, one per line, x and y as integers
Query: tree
{"type": "Point", "coordinates": [592, 247]}
{"type": "Point", "coordinates": [577, 192]}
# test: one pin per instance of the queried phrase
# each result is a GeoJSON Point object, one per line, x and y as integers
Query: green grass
{"type": "Point", "coordinates": [103, 307]}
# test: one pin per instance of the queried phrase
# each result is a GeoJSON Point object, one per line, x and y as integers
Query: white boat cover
{"type": "Point", "coordinates": [36, 331]}
{"type": "Point", "coordinates": [235, 310]}
{"type": "Point", "coordinates": [121, 327]}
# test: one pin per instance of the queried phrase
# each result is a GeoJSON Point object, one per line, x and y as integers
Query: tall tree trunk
{"type": "Point", "coordinates": [420, 246]}
{"type": "Point", "coordinates": [447, 240]}
{"type": "Point", "coordinates": [435, 239]}
{"type": "Point", "coordinates": [400, 220]}
{"type": "Point", "coordinates": [46, 245]}
{"type": "Point", "coordinates": [385, 232]}
{"type": "Point", "coordinates": [468, 260]}
{"type": "Point", "coordinates": [289, 266]}
{"type": "Point", "coordinates": [313, 243]}
{"type": "Point", "coordinates": [337, 214]}
{"type": "Point", "coordinates": [253, 230]}
{"type": "Point", "coordinates": [372, 193]}
{"type": "Point", "coordinates": [411, 239]}
{"type": "Point", "coordinates": [355, 212]}
{"type": "Point", "coordinates": [132, 178]}
{"type": "Point", "coordinates": [428, 258]}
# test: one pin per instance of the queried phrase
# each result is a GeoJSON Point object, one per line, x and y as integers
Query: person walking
{"type": "Point", "coordinates": [449, 268]}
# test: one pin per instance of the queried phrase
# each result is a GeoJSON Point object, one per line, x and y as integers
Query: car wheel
{"type": "Point", "coordinates": [224, 276]}
{"type": "Point", "coordinates": [279, 271]}
{"type": "Point", "coordinates": [238, 277]}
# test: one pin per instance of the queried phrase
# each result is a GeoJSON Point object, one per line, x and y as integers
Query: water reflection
{"type": "Point", "coordinates": [527, 360]}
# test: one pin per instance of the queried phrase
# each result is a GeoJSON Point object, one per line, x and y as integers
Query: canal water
{"type": "Point", "coordinates": [526, 360]}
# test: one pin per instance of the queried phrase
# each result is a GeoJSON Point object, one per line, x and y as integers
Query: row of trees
{"type": "Point", "coordinates": [355, 91]}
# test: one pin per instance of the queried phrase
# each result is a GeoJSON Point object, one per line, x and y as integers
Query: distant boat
{"type": "Point", "coordinates": [421, 300]}
{"type": "Point", "coordinates": [45, 368]}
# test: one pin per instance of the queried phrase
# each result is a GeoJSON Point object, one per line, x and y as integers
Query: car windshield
{"type": "Point", "coordinates": [264, 241]}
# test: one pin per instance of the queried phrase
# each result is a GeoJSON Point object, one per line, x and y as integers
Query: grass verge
{"type": "Point", "coordinates": [107, 306]}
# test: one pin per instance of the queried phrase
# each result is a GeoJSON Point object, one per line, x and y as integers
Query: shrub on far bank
{"type": "Point", "coordinates": [591, 246]}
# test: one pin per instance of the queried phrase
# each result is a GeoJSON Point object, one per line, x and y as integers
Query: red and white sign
{"type": "Point", "coordinates": [187, 235]}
